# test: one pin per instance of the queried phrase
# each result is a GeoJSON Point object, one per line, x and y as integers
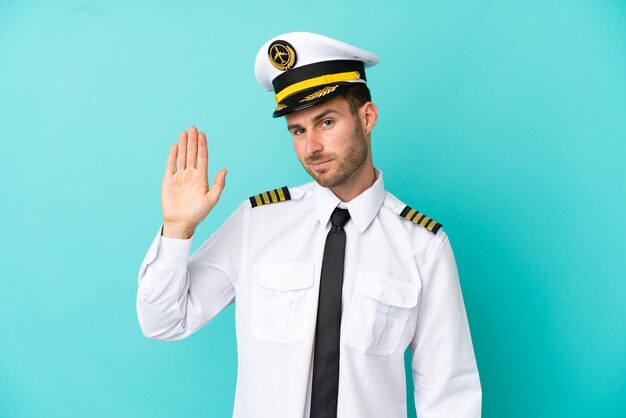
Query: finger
{"type": "Point", "coordinates": [171, 160]}
{"type": "Point", "coordinates": [203, 154]}
{"type": "Point", "coordinates": [192, 147]}
{"type": "Point", "coordinates": [182, 151]}
{"type": "Point", "coordinates": [218, 185]}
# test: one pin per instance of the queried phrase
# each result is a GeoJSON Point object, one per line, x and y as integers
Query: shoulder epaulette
{"type": "Point", "coordinates": [419, 218]}
{"type": "Point", "coordinates": [270, 196]}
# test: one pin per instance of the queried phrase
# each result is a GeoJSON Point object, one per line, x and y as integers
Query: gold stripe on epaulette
{"type": "Point", "coordinates": [420, 219]}
{"type": "Point", "coordinates": [270, 196]}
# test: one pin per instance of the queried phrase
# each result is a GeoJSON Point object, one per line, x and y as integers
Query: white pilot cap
{"type": "Point", "coordinates": [304, 68]}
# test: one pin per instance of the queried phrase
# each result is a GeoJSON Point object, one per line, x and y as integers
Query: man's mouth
{"type": "Point", "coordinates": [319, 163]}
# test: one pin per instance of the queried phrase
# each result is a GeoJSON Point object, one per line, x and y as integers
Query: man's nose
{"type": "Point", "coordinates": [313, 143]}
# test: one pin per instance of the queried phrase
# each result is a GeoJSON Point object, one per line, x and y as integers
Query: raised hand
{"type": "Point", "coordinates": [186, 198]}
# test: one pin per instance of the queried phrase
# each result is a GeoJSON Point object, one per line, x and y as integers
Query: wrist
{"type": "Point", "coordinates": [177, 230]}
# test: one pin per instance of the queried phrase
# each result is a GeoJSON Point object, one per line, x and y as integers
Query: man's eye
{"type": "Point", "coordinates": [298, 132]}
{"type": "Point", "coordinates": [328, 122]}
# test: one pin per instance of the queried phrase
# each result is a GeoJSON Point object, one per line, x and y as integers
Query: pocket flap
{"type": "Point", "coordinates": [284, 276]}
{"type": "Point", "coordinates": [388, 290]}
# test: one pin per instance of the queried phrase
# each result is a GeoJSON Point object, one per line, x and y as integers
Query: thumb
{"type": "Point", "coordinates": [218, 185]}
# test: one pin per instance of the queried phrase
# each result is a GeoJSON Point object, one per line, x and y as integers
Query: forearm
{"type": "Point", "coordinates": [445, 373]}
{"type": "Point", "coordinates": [161, 295]}
{"type": "Point", "coordinates": [178, 292]}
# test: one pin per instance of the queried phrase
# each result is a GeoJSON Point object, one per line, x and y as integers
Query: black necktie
{"type": "Point", "coordinates": [326, 353]}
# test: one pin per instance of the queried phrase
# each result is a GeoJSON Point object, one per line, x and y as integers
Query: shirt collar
{"type": "Point", "coordinates": [362, 208]}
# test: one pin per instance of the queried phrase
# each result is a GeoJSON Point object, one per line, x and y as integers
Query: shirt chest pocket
{"type": "Point", "coordinates": [379, 312]}
{"type": "Point", "coordinates": [281, 301]}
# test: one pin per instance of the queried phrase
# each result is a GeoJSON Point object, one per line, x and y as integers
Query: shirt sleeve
{"type": "Point", "coordinates": [445, 373]}
{"type": "Point", "coordinates": [178, 293]}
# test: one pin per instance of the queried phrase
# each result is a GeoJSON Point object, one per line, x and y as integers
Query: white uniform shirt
{"type": "Point", "coordinates": [400, 289]}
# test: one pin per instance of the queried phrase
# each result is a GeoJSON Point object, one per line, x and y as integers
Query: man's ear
{"type": "Point", "coordinates": [368, 114]}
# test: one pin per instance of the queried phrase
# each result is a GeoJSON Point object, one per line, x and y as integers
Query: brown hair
{"type": "Point", "coordinates": [357, 96]}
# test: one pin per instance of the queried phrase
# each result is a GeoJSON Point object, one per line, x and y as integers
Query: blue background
{"type": "Point", "coordinates": [503, 120]}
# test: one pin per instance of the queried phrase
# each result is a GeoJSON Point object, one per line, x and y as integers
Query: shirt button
{"type": "Point", "coordinates": [387, 292]}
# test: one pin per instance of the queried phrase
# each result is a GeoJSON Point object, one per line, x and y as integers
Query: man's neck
{"type": "Point", "coordinates": [361, 180]}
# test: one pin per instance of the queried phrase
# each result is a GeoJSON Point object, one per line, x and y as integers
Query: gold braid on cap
{"type": "Point", "coordinates": [317, 81]}
{"type": "Point", "coordinates": [323, 92]}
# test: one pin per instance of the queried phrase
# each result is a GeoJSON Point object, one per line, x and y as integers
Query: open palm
{"type": "Point", "coordinates": [186, 198]}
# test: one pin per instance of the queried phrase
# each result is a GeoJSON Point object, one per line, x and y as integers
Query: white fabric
{"type": "Point", "coordinates": [310, 48]}
{"type": "Point", "coordinates": [400, 290]}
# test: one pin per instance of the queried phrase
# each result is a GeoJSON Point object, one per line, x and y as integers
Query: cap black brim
{"type": "Point", "coordinates": [310, 97]}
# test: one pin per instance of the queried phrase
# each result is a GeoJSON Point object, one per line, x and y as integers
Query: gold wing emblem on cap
{"type": "Point", "coordinates": [280, 107]}
{"type": "Point", "coordinates": [323, 92]}
{"type": "Point", "coordinates": [282, 55]}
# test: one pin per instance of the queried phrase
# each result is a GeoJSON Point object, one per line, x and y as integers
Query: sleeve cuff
{"type": "Point", "coordinates": [172, 253]}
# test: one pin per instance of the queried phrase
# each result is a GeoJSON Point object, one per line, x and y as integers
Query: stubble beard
{"type": "Point", "coordinates": [355, 156]}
